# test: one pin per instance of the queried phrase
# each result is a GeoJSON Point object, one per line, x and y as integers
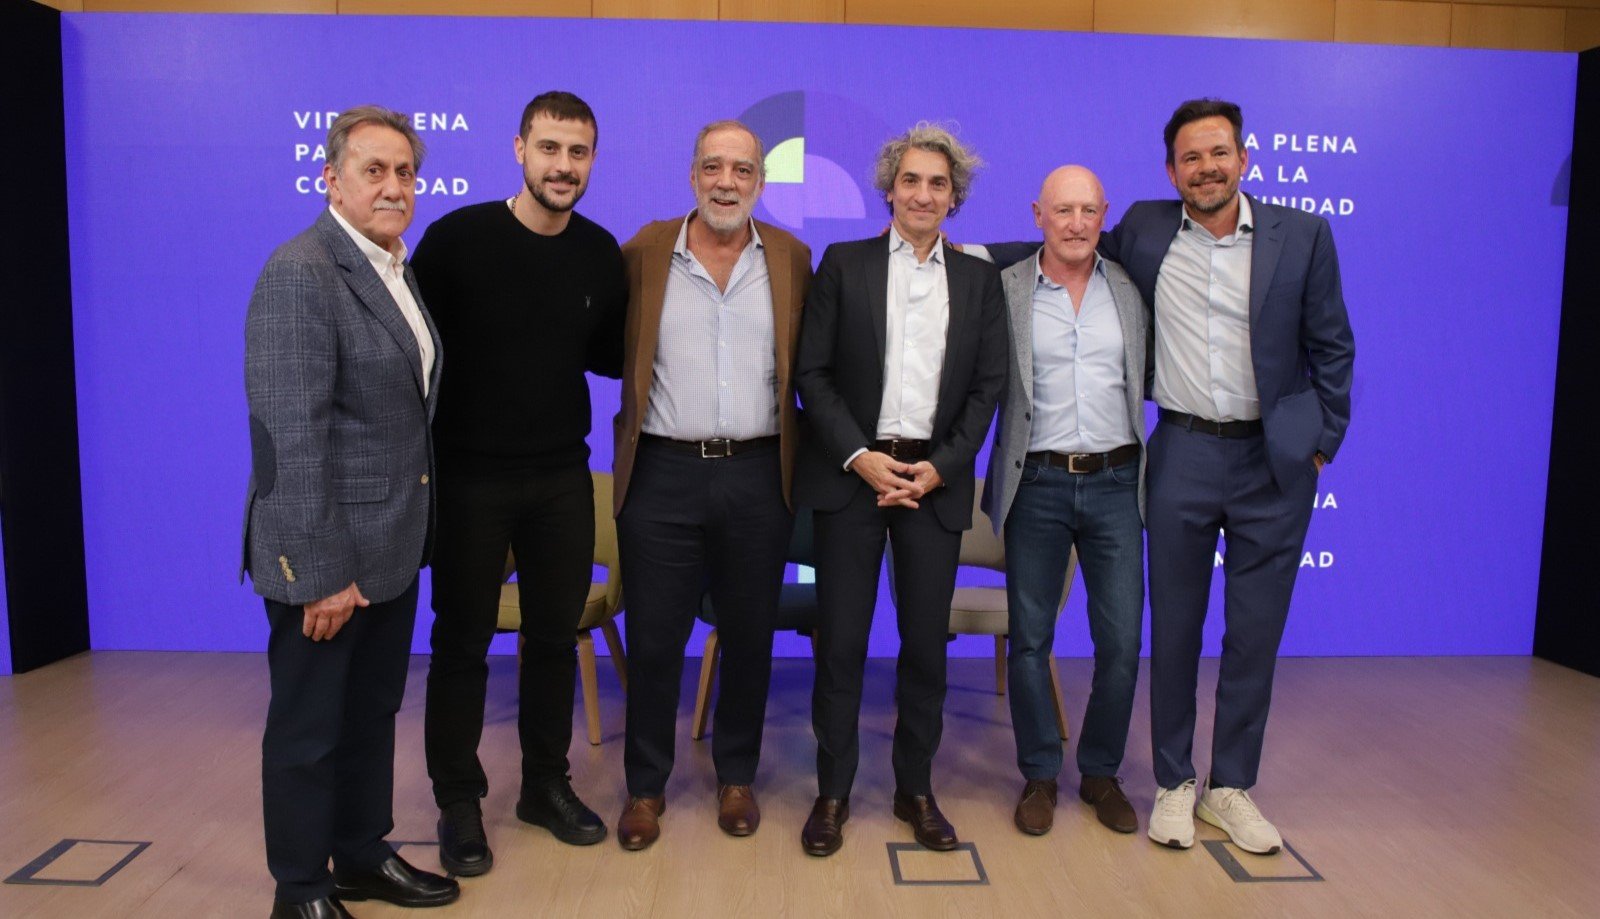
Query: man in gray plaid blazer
{"type": "Point", "coordinates": [341, 370]}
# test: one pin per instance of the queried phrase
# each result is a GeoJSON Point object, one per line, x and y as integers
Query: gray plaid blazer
{"type": "Point", "coordinates": [341, 481]}
{"type": "Point", "coordinates": [1013, 431]}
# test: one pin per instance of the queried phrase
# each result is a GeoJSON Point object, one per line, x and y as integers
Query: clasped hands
{"type": "Point", "coordinates": [327, 616]}
{"type": "Point", "coordinates": [897, 484]}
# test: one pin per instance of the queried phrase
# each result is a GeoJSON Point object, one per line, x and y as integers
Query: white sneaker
{"type": "Point", "coordinates": [1232, 811]}
{"type": "Point", "coordinates": [1172, 820]}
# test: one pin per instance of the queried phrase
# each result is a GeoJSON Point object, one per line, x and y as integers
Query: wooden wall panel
{"type": "Point", "coordinates": [1513, 27]}
{"type": "Point", "coordinates": [1565, 4]}
{"type": "Point", "coordinates": [210, 6]}
{"type": "Point", "coordinates": [1302, 20]}
{"type": "Point", "coordinates": [571, 9]}
{"type": "Point", "coordinates": [655, 9]}
{"type": "Point", "coordinates": [66, 6]}
{"type": "Point", "coordinates": [1392, 22]}
{"type": "Point", "coordinates": [1583, 30]}
{"type": "Point", "coordinates": [1066, 15]}
{"type": "Point", "coordinates": [784, 10]}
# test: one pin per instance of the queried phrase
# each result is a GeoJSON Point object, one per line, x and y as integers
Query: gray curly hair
{"type": "Point", "coordinates": [935, 138]}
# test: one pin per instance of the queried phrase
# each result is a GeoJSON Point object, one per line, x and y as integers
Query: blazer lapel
{"type": "Point", "coordinates": [364, 282]}
{"type": "Point", "coordinates": [1019, 299]}
{"type": "Point", "coordinates": [1264, 251]}
{"type": "Point", "coordinates": [433, 333]}
{"type": "Point", "coordinates": [653, 293]}
{"type": "Point", "coordinates": [958, 283]}
{"type": "Point", "coordinates": [876, 277]}
{"type": "Point", "coordinates": [777, 255]}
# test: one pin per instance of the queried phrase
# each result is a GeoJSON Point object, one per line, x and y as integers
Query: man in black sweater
{"type": "Point", "coordinates": [530, 295]}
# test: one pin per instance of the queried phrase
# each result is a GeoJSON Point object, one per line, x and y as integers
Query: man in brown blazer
{"type": "Point", "coordinates": [705, 446]}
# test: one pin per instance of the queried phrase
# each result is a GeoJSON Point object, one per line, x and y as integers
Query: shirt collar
{"type": "Point", "coordinates": [898, 243]}
{"type": "Point", "coordinates": [1040, 278]}
{"type": "Point", "coordinates": [681, 247]}
{"type": "Point", "coordinates": [383, 261]}
{"type": "Point", "coordinates": [1245, 224]}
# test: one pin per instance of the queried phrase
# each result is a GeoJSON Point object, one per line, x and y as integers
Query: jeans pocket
{"type": "Point", "coordinates": [1126, 474]}
{"type": "Point", "coordinates": [1030, 472]}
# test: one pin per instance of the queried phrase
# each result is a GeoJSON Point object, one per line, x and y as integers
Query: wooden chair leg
{"type": "Point", "coordinates": [619, 659]}
{"type": "Point", "coordinates": [591, 685]}
{"type": "Point", "coordinates": [708, 679]}
{"type": "Point", "coordinates": [1055, 695]}
{"type": "Point", "coordinates": [1000, 665]}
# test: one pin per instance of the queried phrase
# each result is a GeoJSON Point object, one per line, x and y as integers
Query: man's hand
{"type": "Point", "coordinates": [327, 616]}
{"type": "Point", "coordinates": [887, 477]}
{"type": "Point", "coordinates": [926, 477]}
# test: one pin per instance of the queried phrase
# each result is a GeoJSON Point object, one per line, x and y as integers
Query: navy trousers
{"type": "Point", "coordinates": [327, 757]}
{"type": "Point", "coordinates": [1199, 485]}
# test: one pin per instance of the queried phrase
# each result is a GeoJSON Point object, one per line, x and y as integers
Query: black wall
{"type": "Point", "coordinates": [41, 501]}
{"type": "Point", "coordinates": [1568, 627]}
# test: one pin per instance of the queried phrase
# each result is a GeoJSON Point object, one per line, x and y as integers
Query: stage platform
{"type": "Point", "coordinates": [130, 786]}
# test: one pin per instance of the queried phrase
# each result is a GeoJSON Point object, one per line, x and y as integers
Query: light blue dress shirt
{"type": "Point", "coordinates": [715, 374]}
{"type": "Point", "coordinates": [1080, 387]}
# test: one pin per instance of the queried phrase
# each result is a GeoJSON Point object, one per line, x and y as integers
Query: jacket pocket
{"type": "Point", "coordinates": [360, 489]}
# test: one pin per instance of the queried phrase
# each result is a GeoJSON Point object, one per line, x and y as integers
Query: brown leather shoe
{"type": "Point", "coordinates": [1036, 809]}
{"type": "Point", "coordinates": [737, 811]}
{"type": "Point", "coordinates": [1111, 807]}
{"type": "Point", "coordinates": [928, 825]}
{"type": "Point", "coordinates": [823, 833]}
{"type": "Point", "coordinates": [640, 823]}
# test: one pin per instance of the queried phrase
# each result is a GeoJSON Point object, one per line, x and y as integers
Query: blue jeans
{"type": "Point", "coordinates": [1098, 512]}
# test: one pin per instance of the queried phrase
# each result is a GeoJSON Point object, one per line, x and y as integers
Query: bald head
{"type": "Point", "coordinates": [1071, 211]}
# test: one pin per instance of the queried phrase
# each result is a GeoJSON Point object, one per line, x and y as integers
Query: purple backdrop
{"type": "Point", "coordinates": [192, 144]}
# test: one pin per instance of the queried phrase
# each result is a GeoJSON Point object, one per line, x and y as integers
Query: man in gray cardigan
{"type": "Point", "coordinates": [1067, 472]}
{"type": "Point", "coordinates": [341, 374]}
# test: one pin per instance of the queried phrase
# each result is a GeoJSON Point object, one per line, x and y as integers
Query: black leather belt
{"type": "Point", "coordinates": [906, 451]}
{"type": "Point", "coordinates": [1215, 428]}
{"type": "Point", "coordinates": [1086, 462]}
{"type": "Point", "coordinates": [711, 449]}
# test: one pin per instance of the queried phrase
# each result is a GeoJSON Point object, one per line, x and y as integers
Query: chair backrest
{"type": "Point", "coordinates": [980, 546]}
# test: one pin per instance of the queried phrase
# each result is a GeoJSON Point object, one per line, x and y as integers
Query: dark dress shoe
{"type": "Point", "coordinates": [737, 812]}
{"type": "Point", "coordinates": [322, 908]}
{"type": "Point", "coordinates": [463, 846]}
{"type": "Point", "coordinates": [396, 882]}
{"type": "Point", "coordinates": [555, 806]}
{"type": "Point", "coordinates": [1111, 806]}
{"type": "Point", "coordinates": [928, 825]}
{"type": "Point", "coordinates": [640, 824]}
{"type": "Point", "coordinates": [823, 833]}
{"type": "Point", "coordinates": [1036, 809]}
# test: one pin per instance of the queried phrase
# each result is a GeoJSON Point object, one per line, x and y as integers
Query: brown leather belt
{"type": "Point", "coordinates": [906, 451]}
{"type": "Point", "coordinates": [1086, 462]}
{"type": "Point", "coordinates": [1189, 422]}
{"type": "Point", "coordinates": [711, 449]}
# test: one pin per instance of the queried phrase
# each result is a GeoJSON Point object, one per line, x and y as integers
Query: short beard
{"type": "Point", "coordinates": [730, 225]}
{"type": "Point", "coordinates": [555, 207]}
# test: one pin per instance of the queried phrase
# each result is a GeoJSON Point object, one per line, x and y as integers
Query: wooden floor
{"type": "Point", "coordinates": [1418, 787]}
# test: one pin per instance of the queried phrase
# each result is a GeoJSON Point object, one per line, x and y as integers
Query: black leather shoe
{"type": "Point", "coordinates": [928, 825]}
{"type": "Point", "coordinates": [322, 908]}
{"type": "Point", "coordinates": [823, 833]}
{"type": "Point", "coordinates": [396, 882]}
{"type": "Point", "coordinates": [555, 806]}
{"type": "Point", "coordinates": [463, 846]}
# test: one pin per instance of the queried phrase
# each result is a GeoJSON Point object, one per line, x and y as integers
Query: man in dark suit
{"type": "Point", "coordinates": [705, 443]}
{"type": "Point", "coordinates": [1253, 365]}
{"type": "Point", "coordinates": [902, 359]}
{"type": "Point", "coordinates": [341, 371]}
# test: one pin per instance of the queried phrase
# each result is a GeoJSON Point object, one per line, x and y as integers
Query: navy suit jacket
{"type": "Point", "coordinates": [839, 374]}
{"type": "Point", "coordinates": [1301, 345]}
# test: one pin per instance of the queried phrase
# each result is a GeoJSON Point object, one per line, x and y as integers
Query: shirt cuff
{"type": "Point", "coordinates": [852, 458]}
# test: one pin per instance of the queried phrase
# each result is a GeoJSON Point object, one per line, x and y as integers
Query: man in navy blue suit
{"type": "Point", "coordinates": [1253, 361]}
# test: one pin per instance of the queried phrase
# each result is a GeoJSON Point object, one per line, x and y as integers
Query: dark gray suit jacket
{"type": "Point", "coordinates": [341, 483]}
{"type": "Point", "coordinates": [1015, 428]}
{"type": "Point", "coordinates": [839, 374]}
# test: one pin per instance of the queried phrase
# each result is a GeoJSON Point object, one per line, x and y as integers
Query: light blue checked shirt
{"type": "Point", "coordinates": [715, 374]}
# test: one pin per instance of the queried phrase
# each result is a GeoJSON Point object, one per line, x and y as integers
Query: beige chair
{"type": "Point", "coordinates": [599, 612]}
{"type": "Point", "coordinates": [983, 610]}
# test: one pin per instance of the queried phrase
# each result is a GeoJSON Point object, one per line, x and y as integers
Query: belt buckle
{"type": "Point", "coordinates": [709, 448]}
{"type": "Point", "coordinates": [1072, 462]}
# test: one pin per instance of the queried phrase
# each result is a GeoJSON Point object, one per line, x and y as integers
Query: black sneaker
{"type": "Point", "coordinates": [555, 806]}
{"type": "Point", "coordinates": [463, 846]}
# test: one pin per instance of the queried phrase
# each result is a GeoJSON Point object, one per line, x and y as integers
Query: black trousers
{"type": "Point", "coordinates": [689, 524]}
{"type": "Point", "coordinates": [327, 757]}
{"type": "Point", "coordinates": [850, 545]}
{"type": "Point", "coordinates": [546, 517]}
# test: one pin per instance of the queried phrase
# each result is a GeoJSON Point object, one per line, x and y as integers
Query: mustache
{"type": "Point", "coordinates": [571, 177]}
{"type": "Point", "coordinates": [1208, 177]}
{"type": "Point", "coordinates": [383, 204]}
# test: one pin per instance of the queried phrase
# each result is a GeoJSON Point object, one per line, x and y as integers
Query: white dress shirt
{"type": "Point", "coordinates": [918, 321]}
{"type": "Point", "coordinates": [391, 269]}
